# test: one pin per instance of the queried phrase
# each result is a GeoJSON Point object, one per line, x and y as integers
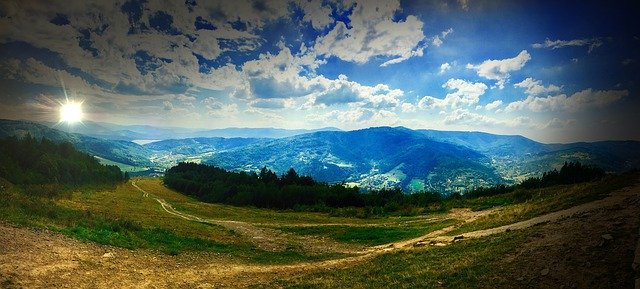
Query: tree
{"type": "Point", "coordinates": [267, 176]}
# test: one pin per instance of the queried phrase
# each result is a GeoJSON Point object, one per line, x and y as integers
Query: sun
{"type": "Point", "coordinates": [71, 112]}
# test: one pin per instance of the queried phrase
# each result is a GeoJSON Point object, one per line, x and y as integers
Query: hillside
{"type": "Point", "coordinates": [143, 234]}
{"type": "Point", "coordinates": [114, 150]}
{"type": "Point", "coordinates": [415, 160]}
{"type": "Point", "coordinates": [149, 132]}
{"type": "Point", "coordinates": [370, 158]}
{"type": "Point", "coordinates": [419, 160]}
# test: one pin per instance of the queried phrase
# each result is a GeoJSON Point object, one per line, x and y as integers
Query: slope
{"type": "Point", "coordinates": [370, 158]}
{"type": "Point", "coordinates": [119, 151]}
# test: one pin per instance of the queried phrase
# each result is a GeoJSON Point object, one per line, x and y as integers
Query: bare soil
{"type": "Point", "coordinates": [587, 246]}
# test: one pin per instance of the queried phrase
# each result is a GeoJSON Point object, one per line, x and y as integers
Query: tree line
{"type": "Point", "coordinates": [28, 161]}
{"type": "Point", "coordinates": [268, 190]}
{"type": "Point", "coordinates": [569, 173]}
{"type": "Point", "coordinates": [289, 191]}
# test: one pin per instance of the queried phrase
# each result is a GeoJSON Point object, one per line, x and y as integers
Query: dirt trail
{"type": "Point", "coordinates": [436, 238]}
{"type": "Point", "coordinates": [269, 239]}
{"type": "Point", "coordinates": [38, 258]}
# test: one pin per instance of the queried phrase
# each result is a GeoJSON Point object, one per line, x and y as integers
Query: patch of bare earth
{"type": "Point", "coordinates": [588, 246]}
{"type": "Point", "coordinates": [594, 248]}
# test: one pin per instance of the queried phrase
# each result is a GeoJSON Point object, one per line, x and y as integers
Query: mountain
{"type": "Point", "coordinates": [147, 132]}
{"type": "Point", "coordinates": [489, 144]}
{"type": "Point", "coordinates": [167, 153]}
{"type": "Point", "coordinates": [118, 151]}
{"type": "Point", "coordinates": [416, 160]}
{"type": "Point", "coordinates": [370, 158]}
{"type": "Point", "coordinates": [259, 132]}
{"type": "Point", "coordinates": [445, 161]}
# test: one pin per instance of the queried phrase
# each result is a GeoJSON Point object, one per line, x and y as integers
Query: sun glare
{"type": "Point", "coordinates": [71, 112]}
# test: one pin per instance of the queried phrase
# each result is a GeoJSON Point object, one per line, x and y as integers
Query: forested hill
{"type": "Point", "coordinates": [28, 161]}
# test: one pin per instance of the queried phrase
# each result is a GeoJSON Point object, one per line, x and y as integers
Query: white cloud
{"type": "Point", "coordinates": [167, 105]}
{"type": "Point", "coordinates": [578, 101]}
{"type": "Point", "coordinates": [444, 67]}
{"type": "Point", "coordinates": [186, 98]}
{"type": "Point", "coordinates": [438, 39]}
{"type": "Point", "coordinates": [499, 70]}
{"type": "Point", "coordinates": [493, 105]}
{"type": "Point", "coordinates": [556, 123]}
{"type": "Point", "coordinates": [342, 91]}
{"type": "Point", "coordinates": [592, 43]}
{"type": "Point", "coordinates": [535, 87]}
{"type": "Point", "coordinates": [357, 117]}
{"type": "Point", "coordinates": [374, 33]}
{"type": "Point", "coordinates": [465, 117]}
{"type": "Point", "coordinates": [464, 4]}
{"type": "Point", "coordinates": [316, 13]}
{"type": "Point", "coordinates": [465, 94]}
{"type": "Point", "coordinates": [216, 108]}
{"type": "Point", "coordinates": [408, 107]}
{"type": "Point", "coordinates": [269, 103]}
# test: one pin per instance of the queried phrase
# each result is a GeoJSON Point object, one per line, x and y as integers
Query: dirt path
{"type": "Point", "coordinates": [436, 238]}
{"type": "Point", "coordinates": [269, 239]}
{"type": "Point", "coordinates": [38, 258]}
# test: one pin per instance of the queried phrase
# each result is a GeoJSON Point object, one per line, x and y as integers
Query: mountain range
{"type": "Point", "coordinates": [415, 160]}
{"type": "Point", "coordinates": [147, 132]}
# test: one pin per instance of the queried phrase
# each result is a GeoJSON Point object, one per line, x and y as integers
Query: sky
{"type": "Point", "coordinates": [553, 71]}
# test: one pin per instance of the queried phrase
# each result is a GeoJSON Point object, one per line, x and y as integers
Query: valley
{"type": "Point", "coordinates": [506, 246]}
{"type": "Point", "coordinates": [383, 157]}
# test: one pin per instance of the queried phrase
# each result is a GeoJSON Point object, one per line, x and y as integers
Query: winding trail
{"type": "Point", "coordinates": [39, 258]}
{"type": "Point", "coordinates": [434, 238]}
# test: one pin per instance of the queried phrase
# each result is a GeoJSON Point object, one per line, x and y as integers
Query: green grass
{"type": "Point", "coordinates": [460, 265]}
{"type": "Point", "coordinates": [369, 235]}
{"type": "Point", "coordinates": [530, 203]}
{"type": "Point", "coordinates": [256, 215]}
{"type": "Point", "coordinates": [122, 217]}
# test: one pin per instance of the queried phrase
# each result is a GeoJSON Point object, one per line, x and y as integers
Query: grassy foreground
{"type": "Point", "coordinates": [123, 217]}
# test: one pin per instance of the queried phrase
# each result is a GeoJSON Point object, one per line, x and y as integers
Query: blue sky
{"type": "Point", "coordinates": [556, 71]}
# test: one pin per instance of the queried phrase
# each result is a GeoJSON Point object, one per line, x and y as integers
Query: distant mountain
{"type": "Point", "coordinates": [259, 132]}
{"type": "Point", "coordinates": [445, 161]}
{"type": "Point", "coordinates": [147, 132]}
{"type": "Point", "coordinates": [489, 144]}
{"type": "Point", "coordinates": [416, 160]}
{"type": "Point", "coordinates": [118, 151]}
{"type": "Point", "coordinates": [370, 158]}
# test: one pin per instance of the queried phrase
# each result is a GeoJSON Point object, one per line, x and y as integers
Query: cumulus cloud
{"type": "Point", "coordinates": [218, 109]}
{"type": "Point", "coordinates": [499, 70]}
{"type": "Point", "coordinates": [374, 33]}
{"type": "Point", "coordinates": [408, 107]}
{"type": "Point", "coordinates": [444, 67]}
{"type": "Point", "coordinates": [279, 75]}
{"type": "Point", "coordinates": [465, 94]}
{"type": "Point", "coordinates": [493, 105]}
{"type": "Point", "coordinates": [269, 103]}
{"type": "Point", "coordinates": [535, 87]}
{"type": "Point", "coordinates": [578, 101]}
{"type": "Point", "coordinates": [592, 43]}
{"type": "Point", "coordinates": [342, 91]}
{"type": "Point", "coordinates": [357, 117]}
{"type": "Point", "coordinates": [438, 39]}
{"type": "Point", "coordinates": [464, 116]}
{"type": "Point", "coordinates": [318, 14]}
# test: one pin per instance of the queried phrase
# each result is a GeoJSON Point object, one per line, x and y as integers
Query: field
{"type": "Point", "coordinates": [152, 236]}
